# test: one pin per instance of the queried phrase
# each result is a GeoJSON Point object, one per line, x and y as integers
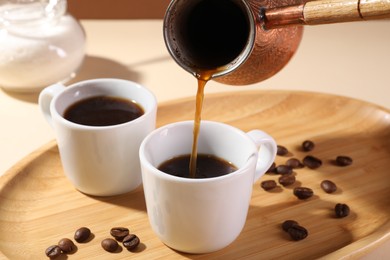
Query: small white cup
{"type": "Point", "coordinates": [99, 160]}
{"type": "Point", "coordinates": [202, 215]}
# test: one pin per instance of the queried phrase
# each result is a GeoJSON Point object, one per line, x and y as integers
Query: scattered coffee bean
{"type": "Point", "coordinates": [303, 193]}
{"type": "Point", "coordinates": [283, 169]}
{"type": "Point", "coordinates": [287, 179]}
{"type": "Point", "coordinates": [307, 146]}
{"type": "Point", "coordinates": [328, 186]}
{"type": "Point", "coordinates": [268, 185]}
{"type": "Point", "coordinates": [53, 251]}
{"type": "Point", "coordinates": [288, 223]}
{"type": "Point", "coordinates": [272, 168]}
{"type": "Point", "coordinates": [82, 234]}
{"type": "Point", "coordinates": [281, 150]}
{"type": "Point", "coordinates": [297, 232]}
{"type": "Point", "coordinates": [66, 245]}
{"type": "Point", "coordinates": [119, 232]}
{"type": "Point", "coordinates": [131, 241]}
{"type": "Point", "coordinates": [110, 245]}
{"type": "Point", "coordinates": [343, 160]}
{"type": "Point", "coordinates": [312, 162]}
{"type": "Point", "coordinates": [341, 210]}
{"type": "Point", "coordinates": [294, 163]}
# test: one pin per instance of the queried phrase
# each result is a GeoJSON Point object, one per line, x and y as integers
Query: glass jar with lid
{"type": "Point", "coordinates": [40, 44]}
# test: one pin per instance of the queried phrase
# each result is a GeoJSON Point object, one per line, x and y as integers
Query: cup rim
{"type": "Point", "coordinates": [146, 163]}
{"type": "Point", "coordinates": [85, 83]}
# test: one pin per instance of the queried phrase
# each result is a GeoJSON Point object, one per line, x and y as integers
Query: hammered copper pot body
{"type": "Point", "coordinates": [274, 32]}
{"type": "Point", "coordinates": [272, 50]}
{"type": "Point", "coordinates": [266, 51]}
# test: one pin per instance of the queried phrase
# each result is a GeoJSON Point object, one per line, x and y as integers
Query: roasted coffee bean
{"type": "Point", "coordinates": [303, 193]}
{"type": "Point", "coordinates": [294, 163]}
{"type": "Point", "coordinates": [288, 223]}
{"type": "Point", "coordinates": [272, 168]}
{"type": "Point", "coordinates": [53, 251]}
{"type": "Point", "coordinates": [283, 169]}
{"type": "Point", "coordinates": [119, 232]}
{"type": "Point", "coordinates": [308, 146]}
{"type": "Point", "coordinates": [328, 186]}
{"type": "Point", "coordinates": [343, 160]}
{"type": "Point", "coordinates": [131, 241]}
{"type": "Point", "coordinates": [82, 234]}
{"type": "Point", "coordinates": [287, 179]}
{"type": "Point", "coordinates": [312, 162]}
{"type": "Point", "coordinates": [110, 245]}
{"type": "Point", "coordinates": [297, 232]}
{"type": "Point", "coordinates": [66, 245]}
{"type": "Point", "coordinates": [268, 185]}
{"type": "Point", "coordinates": [341, 210]}
{"type": "Point", "coordinates": [281, 150]}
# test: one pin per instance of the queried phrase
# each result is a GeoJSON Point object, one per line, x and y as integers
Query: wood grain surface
{"type": "Point", "coordinates": [38, 206]}
{"type": "Point", "coordinates": [338, 11]}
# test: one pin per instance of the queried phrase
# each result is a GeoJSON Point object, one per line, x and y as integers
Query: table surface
{"type": "Point", "coordinates": [350, 59]}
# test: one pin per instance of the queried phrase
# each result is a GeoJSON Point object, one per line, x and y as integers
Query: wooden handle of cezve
{"type": "Point", "coordinates": [336, 11]}
{"type": "Point", "coordinates": [326, 12]}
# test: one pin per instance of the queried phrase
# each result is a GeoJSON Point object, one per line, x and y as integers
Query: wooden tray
{"type": "Point", "coordinates": [38, 206]}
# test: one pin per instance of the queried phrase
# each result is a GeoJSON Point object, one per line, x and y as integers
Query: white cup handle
{"type": "Point", "coordinates": [45, 98]}
{"type": "Point", "coordinates": [267, 151]}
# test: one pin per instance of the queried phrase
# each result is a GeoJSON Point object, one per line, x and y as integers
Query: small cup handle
{"type": "Point", "coordinates": [45, 98]}
{"type": "Point", "coordinates": [267, 151]}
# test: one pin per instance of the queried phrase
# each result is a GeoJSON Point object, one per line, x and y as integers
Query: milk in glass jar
{"type": "Point", "coordinates": [40, 44]}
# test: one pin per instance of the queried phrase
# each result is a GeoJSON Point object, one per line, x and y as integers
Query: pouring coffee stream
{"type": "Point", "coordinates": [240, 42]}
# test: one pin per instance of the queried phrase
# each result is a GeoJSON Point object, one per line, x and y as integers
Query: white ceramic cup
{"type": "Point", "coordinates": [202, 215]}
{"type": "Point", "coordinates": [99, 160]}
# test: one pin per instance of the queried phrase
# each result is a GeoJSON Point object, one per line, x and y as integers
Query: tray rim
{"type": "Point", "coordinates": [355, 249]}
{"type": "Point", "coordinates": [274, 91]}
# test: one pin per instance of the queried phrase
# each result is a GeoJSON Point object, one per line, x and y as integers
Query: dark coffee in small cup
{"type": "Point", "coordinates": [103, 111]}
{"type": "Point", "coordinates": [207, 166]}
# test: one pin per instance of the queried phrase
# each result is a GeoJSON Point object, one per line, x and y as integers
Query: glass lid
{"type": "Point", "coordinates": [17, 12]}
